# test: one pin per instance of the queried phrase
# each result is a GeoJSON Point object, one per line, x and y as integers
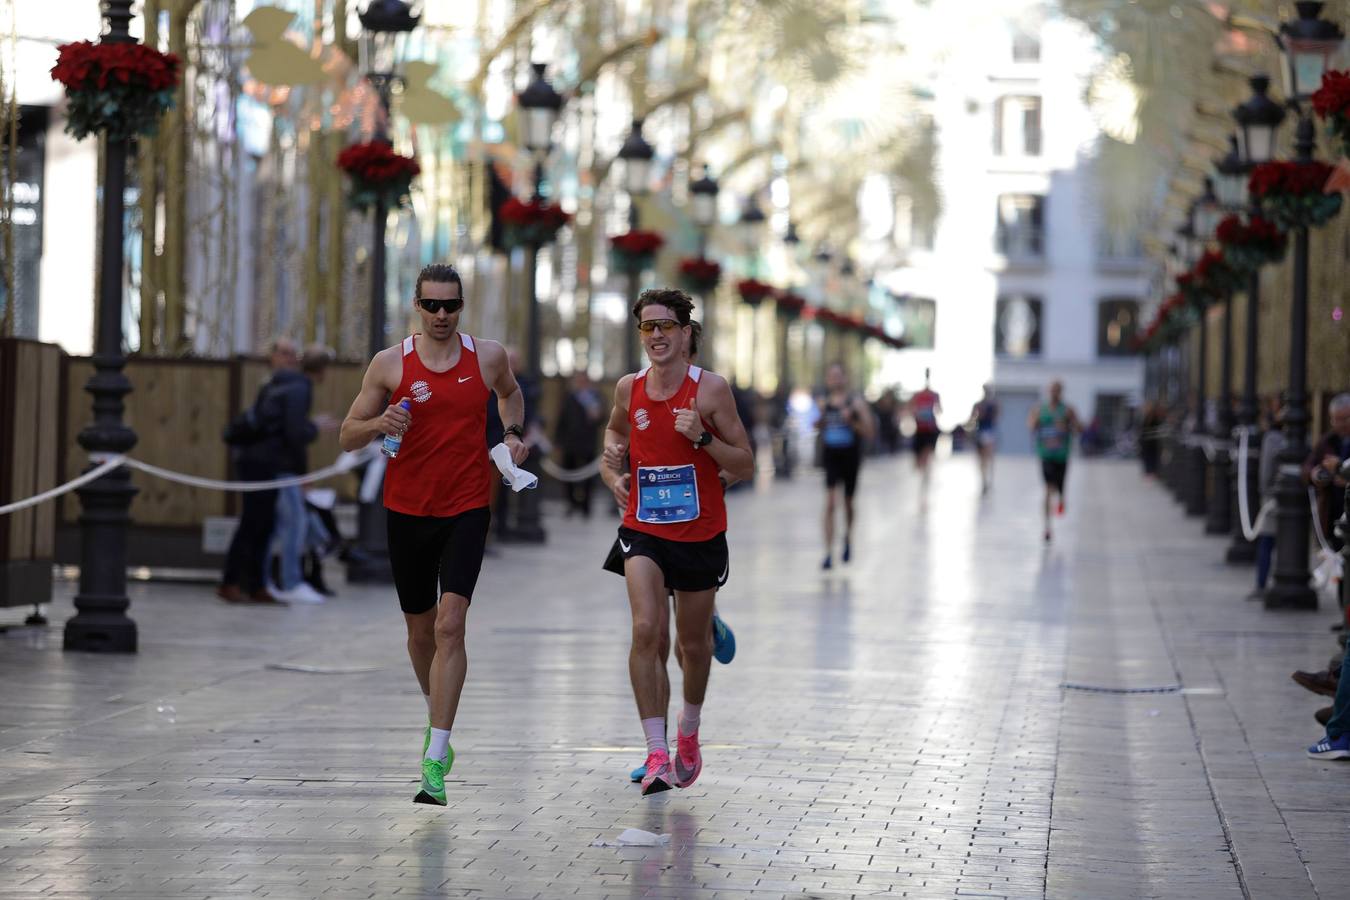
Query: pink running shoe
{"type": "Point", "coordinates": [658, 777]}
{"type": "Point", "coordinates": [688, 760]}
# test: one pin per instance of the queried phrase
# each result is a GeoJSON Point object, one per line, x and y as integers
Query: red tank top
{"type": "Point", "coordinates": [674, 485]}
{"type": "Point", "coordinates": [442, 468]}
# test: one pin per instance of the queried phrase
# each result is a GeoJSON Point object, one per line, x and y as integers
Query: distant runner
{"type": "Point", "coordinates": [1053, 425]}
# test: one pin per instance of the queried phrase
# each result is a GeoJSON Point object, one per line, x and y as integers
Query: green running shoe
{"type": "Point", "coordinates": [433, 782]}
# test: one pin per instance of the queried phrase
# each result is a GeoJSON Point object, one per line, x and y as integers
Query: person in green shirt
{"type": "Point", "coordinates": [1053, 425]}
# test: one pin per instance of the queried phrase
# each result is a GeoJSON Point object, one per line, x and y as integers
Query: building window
{"type": "Point", "coordinates": [1021, 226]}
{"type": "Point", "coordinates": [1026, 47]}
{"type": "Point", "coordinates": [1017, 126]}
{"type": "Point", "coordinates": [918, 320]}
{"type": "Point", "coordinates": [1017, 326]}
{"type": "Point", "coordinates": [1117, 322]}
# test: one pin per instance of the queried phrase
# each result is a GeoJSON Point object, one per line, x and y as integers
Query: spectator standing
{"type": "Point", "coordinates": [255, 458]}
{"type": "Point", "coordinates": [1322, 467]}
{"type": "Point", "coordinates": [293, 398]}
{"type": "Point", "coordinates": [578, 436]}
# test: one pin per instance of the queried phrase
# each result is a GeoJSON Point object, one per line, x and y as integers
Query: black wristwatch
{"type": "Point", "coordinates": [704, 439]}
{"type": "Point", "coordinates": [513, 429]}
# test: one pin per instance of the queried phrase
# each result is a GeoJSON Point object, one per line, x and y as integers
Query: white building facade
{"type": "Point", "coordinates": [1027, 282]}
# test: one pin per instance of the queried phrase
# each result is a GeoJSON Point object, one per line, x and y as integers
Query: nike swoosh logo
{"type": "Point", "coordinates": [466, 378]}
{"type": "Point", "coordinates": [725, 572]}
{"type": "Point", "coordinates": [626, 547]}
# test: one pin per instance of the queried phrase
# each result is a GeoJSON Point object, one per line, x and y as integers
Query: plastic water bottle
{"type": "Point", "coordinates": [393, 441]}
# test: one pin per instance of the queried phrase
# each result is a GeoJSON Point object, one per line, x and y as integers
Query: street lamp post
{"type": "Point", "coordinates": [386, 25]}
{"type": "Point", "coordinates": [1196, 464]}
{"type": "Point", "coordinates": [540, 106]}
{"type": "Point", "coordinates": [637, 157]}
{"type": "Point", "coordinates": [1258, 118]}
{"type": "Point", "coordinates": [751, 225]}
{"type": "Point", "coordinates": [1209, 212]}
{"type": "Point", "coordinates": [703, 193]}
{"type": "Point", "coordinates": [101, 622]}
{"type": "Point", "coordinates": [1307, 44]}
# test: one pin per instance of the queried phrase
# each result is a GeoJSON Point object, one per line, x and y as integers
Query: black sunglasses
{"type": "Point", "coordinates": [434, 306]}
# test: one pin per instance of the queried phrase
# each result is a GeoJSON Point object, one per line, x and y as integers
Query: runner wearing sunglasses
{"type": "Point", "coordinates": [436, 489]}
{"type": "Point", "coordinates": [679, 427]}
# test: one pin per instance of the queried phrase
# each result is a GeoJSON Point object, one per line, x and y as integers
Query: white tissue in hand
{"type": "Point", "coordinates": [515, 476]}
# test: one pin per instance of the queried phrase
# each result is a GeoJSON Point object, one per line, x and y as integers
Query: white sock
{"type": "Point", "coordinates": [440, 742]}
{"type": "Point", "coordinates": [689, 718]}
{"type": "Point", "coordinates": [427, 697]}
{"type": "Point", "coordinates": [655, 729]}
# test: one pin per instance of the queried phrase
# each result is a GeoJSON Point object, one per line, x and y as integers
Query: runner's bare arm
{"type": "Point", "coordinates": [717, 407]}
{"type": "Point", "coordinates": [371, 415]}
{"type": "Point", "coordinates": [616, 433]}
{"type": "Point", "coordinates": [496, 370]}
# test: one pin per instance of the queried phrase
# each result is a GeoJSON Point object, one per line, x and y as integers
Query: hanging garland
{"type": "Point", "coordinates": [789, 304]}
{"type": "Point", "coordinates": [376, 172]}
{"type": "Point", "coordinates": [1291, 194]}
{"type": "Point", "coordinates": [531, 222]}
{"type": "Point", "coordinates": [1331, 102]}
{"type": "Point", "coordinates": [120, 89]}
{"type": "Point", "coordinates": [635, 251]}
{"type": "Point", "coordinates": [1215, 278]}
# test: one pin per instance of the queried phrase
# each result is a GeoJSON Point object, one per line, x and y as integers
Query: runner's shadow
{"type": "Point", "coordinates": [668, 870]}
{"type": "Point", "coordinates": [432, 843]}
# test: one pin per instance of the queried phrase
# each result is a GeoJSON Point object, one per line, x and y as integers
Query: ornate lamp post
{"type": "Point", "coordinates": [1209, 212]}
{"type": "Point", "coordinates": [1258, 119]}
{"type": "Point", "coordinates": [703, 193]}
{"type": "Point", "coordinates": [540, 106]}
{"type": "Point", "coordinates": [101, 622]}
{"type": "Point", "coordinates": [381, 49]}
{"type": "Point", "coordinates": [751, 226]}
{"type": "Point", "coordinates": [1306, 45]}
{"type": "Point", "coordinates": [637, 157]}
{"type": "Point", "coordinates": [1196, 466]}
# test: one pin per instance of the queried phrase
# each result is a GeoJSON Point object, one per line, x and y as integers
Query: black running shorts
{"type": "Point", "coordinates": [841, 468]}
{"type": "Point", "coordinates": [687, 565]}
{"type": "Point", "coordinates": [431, 556]}
{"type": "Point", "coordinates": [1053, 471]}
{"type": "Point", "coordinates": [925, 440]}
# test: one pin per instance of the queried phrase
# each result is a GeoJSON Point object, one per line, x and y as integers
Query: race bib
{"type": "Point", "coordinates": [1052, 438]}
{"type": "Point", "coordinates": [667, 494]}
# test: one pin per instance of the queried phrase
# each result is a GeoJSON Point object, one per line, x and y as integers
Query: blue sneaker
{"type": "Point", "coordinates": [1331, 748]}
{"type": "Point", "coordinates": [724, 641]}
{"type": "Point", "coordinates": [639, 773]}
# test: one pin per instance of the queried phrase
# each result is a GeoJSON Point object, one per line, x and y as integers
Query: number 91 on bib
{"type": "Point", "coordinates": [667, 494]}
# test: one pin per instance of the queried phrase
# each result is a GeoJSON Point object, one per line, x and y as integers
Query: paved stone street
{"type": "Point", "coordinates": [897, 727]}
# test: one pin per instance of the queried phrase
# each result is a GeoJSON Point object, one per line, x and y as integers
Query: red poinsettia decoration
{"type": "Point", "coordinates": [636, 250]}
{"type": "Point", "coordinates": [1331, 102]}
{"type": "Point", "coordinates": [1214, 277]}
{"type": "Point", "coordinates": [700, 274]}
{"type": "Point", "coordinates": [118, 88]}
{"type": "Point", "coordinates": [1292, 194]}
{"type": "Point", "coordinates": [753, 291]}
{"type": "Point", "coordinates": [1251, 243]}
{"type": "Point", "coordinates": [377, 171]}
{"type": "Point", "coordinates": [790, 304]}
{"type": "Point", "coordinates": [531, 222]}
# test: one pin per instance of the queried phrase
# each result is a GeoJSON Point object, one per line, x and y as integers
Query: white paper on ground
{"type": "Point", "coordinates": [515, 476]}
{"type": "Point", "coordinates": [635, 837]}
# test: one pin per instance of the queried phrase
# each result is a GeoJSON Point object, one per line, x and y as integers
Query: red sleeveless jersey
{"type": "Point", "coordinates": [665, 498]}
{"type": "Point", "coordinates": [442, 468]}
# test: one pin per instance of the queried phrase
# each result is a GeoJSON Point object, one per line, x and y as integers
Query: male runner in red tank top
{"type": "Point", "coordinates": [679, 426]}
{"type": "Point", "coordinates": [436, 489]}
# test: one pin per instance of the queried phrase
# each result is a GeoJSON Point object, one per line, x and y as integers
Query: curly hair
{"type": "Point", "coordinates": [674, 299]}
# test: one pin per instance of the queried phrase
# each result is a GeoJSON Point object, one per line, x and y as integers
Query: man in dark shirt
{"type": "Point", "coordinates": [578, 436]}
{"type": "Point", "coordinates": [1322, 467]}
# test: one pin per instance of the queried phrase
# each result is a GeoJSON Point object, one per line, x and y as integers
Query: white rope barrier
{"type": "Point", "coordinates": [1250, 530]}
{"type": "Point", "coordinates": [107, 462]}
{"type": "Point", "coordinates": [94, 473]}
{"type": "Point", "coordinates": [555, 471]}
